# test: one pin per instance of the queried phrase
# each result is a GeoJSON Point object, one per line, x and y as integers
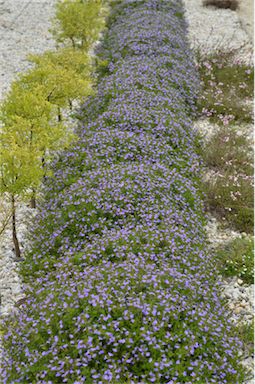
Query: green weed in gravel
{"type": "Point", "coordinates": [230, 190]}
{"type": "Point", "coordinates": [230, 198]}
{"type": "Point", "coordinates": [229, 150]}
{"type": "Point", "coordinates": [227, 88]}
{"type": "Point", "coordinates": [246, 334]}
{"type": "Point", "coordinates": [236, 258]}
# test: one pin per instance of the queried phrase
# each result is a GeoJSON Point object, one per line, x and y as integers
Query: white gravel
{"type": "Point", "coordinates": [246, 15]}
{"type": "Point", "coordinates": [24, 28]}
{"type": "Point", "coordinates": [211, 29]}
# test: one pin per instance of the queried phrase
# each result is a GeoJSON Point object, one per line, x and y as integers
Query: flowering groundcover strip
{"type": "Point", "coordinates": [119, 285]}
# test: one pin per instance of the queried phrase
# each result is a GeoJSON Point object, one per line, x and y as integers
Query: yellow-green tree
{"type": "Point", "coordinates": [31, 115]}
{"type": "Point", "coordinates": [60, 80]}
{"type": "Point", "coordinates": [31, 119]}
{"type": "Point", "coordinates": [79, 22]}
{"type": "Point", "coordinates": [29, 134]}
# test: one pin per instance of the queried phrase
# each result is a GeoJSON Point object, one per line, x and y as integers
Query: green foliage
{"type": "Point", "coordinates": [30, 134]}
{"type": "Point", "coordinates": [246, 334]}
{"type": "Point", "coordinates": [230, 191]}
{"type": "Point", "coordinates": [67, 58]}
{"type": "Point", "coordinates": [229, 150]}
{"type": "Point", "coordinates": [18, 168]}
{"type": "Point", "coordinates": [236, 258]}
{"type": "Point", "coordinates": [19, 101]}
{"type": "Point", "coordinates": [61, 76]}
{"type": "Point", "coordinates": [78, 22]}
{"type": "Point", "coordinates": [227, 88]}
{"type": "Point", "coordinates": [27, 135]}
{"type": "Point", "coordinates": [231, 198]}
{"type": "Point", "coordinates": [32, 114]}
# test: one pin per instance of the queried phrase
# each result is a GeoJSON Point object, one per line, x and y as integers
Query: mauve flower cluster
{"type": "Point", "coordinates": [119, 286]}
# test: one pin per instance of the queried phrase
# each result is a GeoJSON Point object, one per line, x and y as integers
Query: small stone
{"type": "Point", "coordinates": [236, 295]}
{"type": "Point", "coordinates": [237, 310]}
{"type": "Point", "coordinates": [240, 281]}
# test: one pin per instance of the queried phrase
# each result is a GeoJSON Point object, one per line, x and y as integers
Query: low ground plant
{"type": "Point", "coordinates": [229, 150]}
{"type": "Point", "coordinates": [230, 198]}
{"type": "Point", "coordinates": [236, 258]}
{"type": "Point", "coordinates": [227, 89]}
{"type": "Point", "coordinates": [246, 334]}
{"type": "Point", "coordinates": [230, 188]}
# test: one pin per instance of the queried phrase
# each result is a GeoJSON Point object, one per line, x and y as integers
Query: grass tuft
{"type": "Point", "coordinates": [246, 334]}
{"type": "Point", "coordinates": [230, 191]}
{"type": "Point", "coordinates": [236, 258]}
{"type": "Point", "coordinates": [227, 89]}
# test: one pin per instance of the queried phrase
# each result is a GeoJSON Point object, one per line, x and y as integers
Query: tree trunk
{"type": "Point", "coordinates": [73, 42]}
{"type": "Point", "coordinates": [59, 116]}
{"type": "Point", "coordinates": [33, 200]}
{"type": "Point", "coordinates": [44, 167]}
{"type": "Point", "coordinates": [33, 203]}
{"type": "Point", "coordinates": [14, 233]}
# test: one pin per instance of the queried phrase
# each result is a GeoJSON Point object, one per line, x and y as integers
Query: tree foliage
{"type": "Point", "coordinates": [17, 166]}
{"type": "Point", "coordinates": [61, 75]}
{"type": "Point", "coordinates": [28, 133]}
{"type": "Point", "coordinates": [29, 122]}
{"type": "Point", "coordinates": [78, 22]}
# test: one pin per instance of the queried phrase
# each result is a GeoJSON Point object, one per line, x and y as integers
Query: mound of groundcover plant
{"type": "Point", "coordinates": [119, 287]}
